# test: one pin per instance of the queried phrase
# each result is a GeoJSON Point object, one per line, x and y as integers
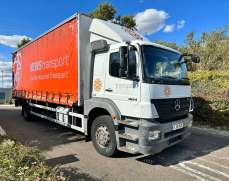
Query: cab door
{"type": "Point", "coordinates": [123, 91]}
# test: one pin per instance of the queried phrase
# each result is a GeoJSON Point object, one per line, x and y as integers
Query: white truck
{"type": "Point", "coordinates": [122, 91]}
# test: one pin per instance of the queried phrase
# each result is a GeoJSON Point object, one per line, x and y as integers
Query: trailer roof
{"type": "Point", "coordinates": [51, 29]}
{"type": "Point", "coordinates": [96, 28]}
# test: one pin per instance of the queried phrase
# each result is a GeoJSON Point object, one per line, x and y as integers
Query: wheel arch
{"type": "Point", "coordinates": [99, 106]}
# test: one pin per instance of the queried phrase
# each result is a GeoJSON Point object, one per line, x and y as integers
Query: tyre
{"type": "Point", "coordinates": [25, 113]}
{"type": "Point", "coordinates": [103, 136]}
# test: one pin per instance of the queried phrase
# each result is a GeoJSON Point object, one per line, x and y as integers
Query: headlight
{"type": "Point", "coordinates": [153, 135]}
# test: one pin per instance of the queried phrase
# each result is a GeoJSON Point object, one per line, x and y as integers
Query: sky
{"type": "Point", "coordinates": [168, 20]}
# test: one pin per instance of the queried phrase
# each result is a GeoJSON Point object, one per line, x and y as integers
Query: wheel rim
{"type": "Point", "coordinates": [102, 137]}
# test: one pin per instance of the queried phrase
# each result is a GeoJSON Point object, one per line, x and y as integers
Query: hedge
{"type": "Point", "coordinates": [210, 90]}
{"type": "Point", "coordinates": [20, 163]}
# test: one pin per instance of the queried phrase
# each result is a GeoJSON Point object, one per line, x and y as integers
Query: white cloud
{"type": "Point", "coordinates": [180, 24]}
{"type": "Point", "coordinates": [150, 21]}
{"type": "Point", "coordinates": [11, 40]}
{"type": "Point", "coordinates": [169, 28]}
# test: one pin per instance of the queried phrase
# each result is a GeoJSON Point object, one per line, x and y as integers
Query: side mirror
{"type": "Point", "coordinates": [136, 79]}
{"type": "Point", "coordinates": [195, 59]}
{"type": "Point", "coordinates": [123, 61]}
{"type": "Point", "coordinates": [191, 57]}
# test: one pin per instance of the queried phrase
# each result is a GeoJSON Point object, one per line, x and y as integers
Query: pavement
{"type": "Point", "coordinates": [202, 156]}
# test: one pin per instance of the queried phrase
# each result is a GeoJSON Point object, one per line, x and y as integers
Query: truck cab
{"type": "Point", "coordinates": [148, 85]}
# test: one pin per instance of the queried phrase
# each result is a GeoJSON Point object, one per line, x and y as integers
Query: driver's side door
{"type": "Point", "coordinates": [125, 92]}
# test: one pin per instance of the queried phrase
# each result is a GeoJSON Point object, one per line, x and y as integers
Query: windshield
{"type": "Point", "coordinates": [163, 64]}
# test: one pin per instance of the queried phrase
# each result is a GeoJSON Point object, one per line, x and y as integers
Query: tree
{"type": "Point", "coordinates": [213, 49]}
{"type": "Point", "coordinates": [104, 11]}
{"type": "Point", "coordinates": [128, 21]}
{"type": "Point", "coordinates": [23, 42]}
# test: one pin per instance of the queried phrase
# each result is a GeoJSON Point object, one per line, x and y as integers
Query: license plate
{"type": "Point", "coordinates": [177, 126]}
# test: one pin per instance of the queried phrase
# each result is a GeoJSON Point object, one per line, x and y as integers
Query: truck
{"type": "Point", "coordinates": [123, 92]}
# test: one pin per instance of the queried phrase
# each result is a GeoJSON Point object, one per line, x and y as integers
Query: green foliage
{"type": "Point", "coordinates": [211, 95]}
{"type": "Point", "coordinates": [18, 162]}
{"type": "Point", "coordinates": [128, 21]}
{"type": "Point", "coordinates": [104, 11]}
{"type": "Point", "coordinates": [23, 42]}
{"type": "Point", "coordinates": [210, 83]}
{"type": "Point", "coordinates": [212, 47]}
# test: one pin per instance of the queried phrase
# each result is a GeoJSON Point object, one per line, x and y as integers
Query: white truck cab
{"type": "Point", "coordinates": [148, 85]}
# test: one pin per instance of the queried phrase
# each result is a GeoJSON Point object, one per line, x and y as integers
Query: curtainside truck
{"type": "Point", "coordinates": [108, 82]}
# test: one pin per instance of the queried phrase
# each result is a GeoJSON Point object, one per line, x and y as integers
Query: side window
{"type": "Point", "coordinates": [114, 64]}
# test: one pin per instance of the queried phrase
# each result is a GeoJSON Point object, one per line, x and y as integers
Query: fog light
{"type": "Point", "coordinates": [153, 135]}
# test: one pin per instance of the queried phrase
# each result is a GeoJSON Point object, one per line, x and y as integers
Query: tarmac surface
{"type": "Point", "coordinates": [202, 156]}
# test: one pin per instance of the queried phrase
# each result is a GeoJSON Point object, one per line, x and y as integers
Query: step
{"type": "Point", "coordinates": [127, 136]}
{"type": "Point", "coordinates": [126, 149]}
{"type": "Point", "coordinates": [129, 123]}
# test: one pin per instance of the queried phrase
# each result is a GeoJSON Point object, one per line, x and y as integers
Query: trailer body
{"type": "Point", "coordinates": [47, 69]}
{"type": "Point", "coordinates": [107, 81]}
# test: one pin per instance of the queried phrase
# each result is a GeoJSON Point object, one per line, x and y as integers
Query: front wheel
{"type": "Point", "coordinates": [103, 136]}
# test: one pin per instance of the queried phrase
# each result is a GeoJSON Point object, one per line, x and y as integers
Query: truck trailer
{"type": "Point", "coordinates": [120, 90]}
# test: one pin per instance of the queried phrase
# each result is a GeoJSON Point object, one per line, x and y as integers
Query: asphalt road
{"type": "Point", "coordinates": [203, 156]}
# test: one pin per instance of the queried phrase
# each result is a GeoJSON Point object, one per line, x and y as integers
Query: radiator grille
{"type": "Point", "coordinates": [171, 109]}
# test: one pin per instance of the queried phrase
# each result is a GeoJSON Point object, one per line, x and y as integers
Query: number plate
{"type": "Point", "coordinates": [177, 126]}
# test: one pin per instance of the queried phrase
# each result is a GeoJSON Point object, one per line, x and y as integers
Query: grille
{"type": "Point", "coordinates": [168, 111]}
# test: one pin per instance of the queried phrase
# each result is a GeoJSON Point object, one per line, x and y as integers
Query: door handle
{"type": "Point", "coordinates": [109, 90]}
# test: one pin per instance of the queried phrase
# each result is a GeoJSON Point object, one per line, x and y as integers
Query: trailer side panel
{"type": "Point", "coordinates": [47, 69]}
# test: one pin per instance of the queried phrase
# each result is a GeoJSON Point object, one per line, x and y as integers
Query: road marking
{"type": "Point", "coordinates": [198, 172]}
{"type": "Point", "coordinates": [188, 173]}
{"type": "Point", "coordinates": [214, 163]}
{"type": "Point", "coordinates": [208, 168]}
{"type": "Point", "coordinates": [220, 158]}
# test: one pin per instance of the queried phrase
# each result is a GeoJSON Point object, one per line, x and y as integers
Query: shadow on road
{"type": "Point", "coordinates": [45, 135]}
{"type": "Point", "coordinates": [40, 133]}
{"type": "Point", "coordinates": [62, 160]}
{"type": "Point", "coordinates": [197, 145]}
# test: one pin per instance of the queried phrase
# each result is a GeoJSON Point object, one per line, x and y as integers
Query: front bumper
{"type": "Point", "coordinates": [168, 136]}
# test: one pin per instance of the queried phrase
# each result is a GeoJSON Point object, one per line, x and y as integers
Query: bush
{"type": "Point", "coordinates": [210, 90]}
{"type": "Point", "coordinates": [210, 83]}
{"type": "Point", "coordinates": [18, 162]}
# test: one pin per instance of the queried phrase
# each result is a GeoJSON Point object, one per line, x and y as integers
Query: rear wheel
{"type": "Point", "coordinates": [103, 136]}
{"type": "Point", "coordinates": [26, 113]}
